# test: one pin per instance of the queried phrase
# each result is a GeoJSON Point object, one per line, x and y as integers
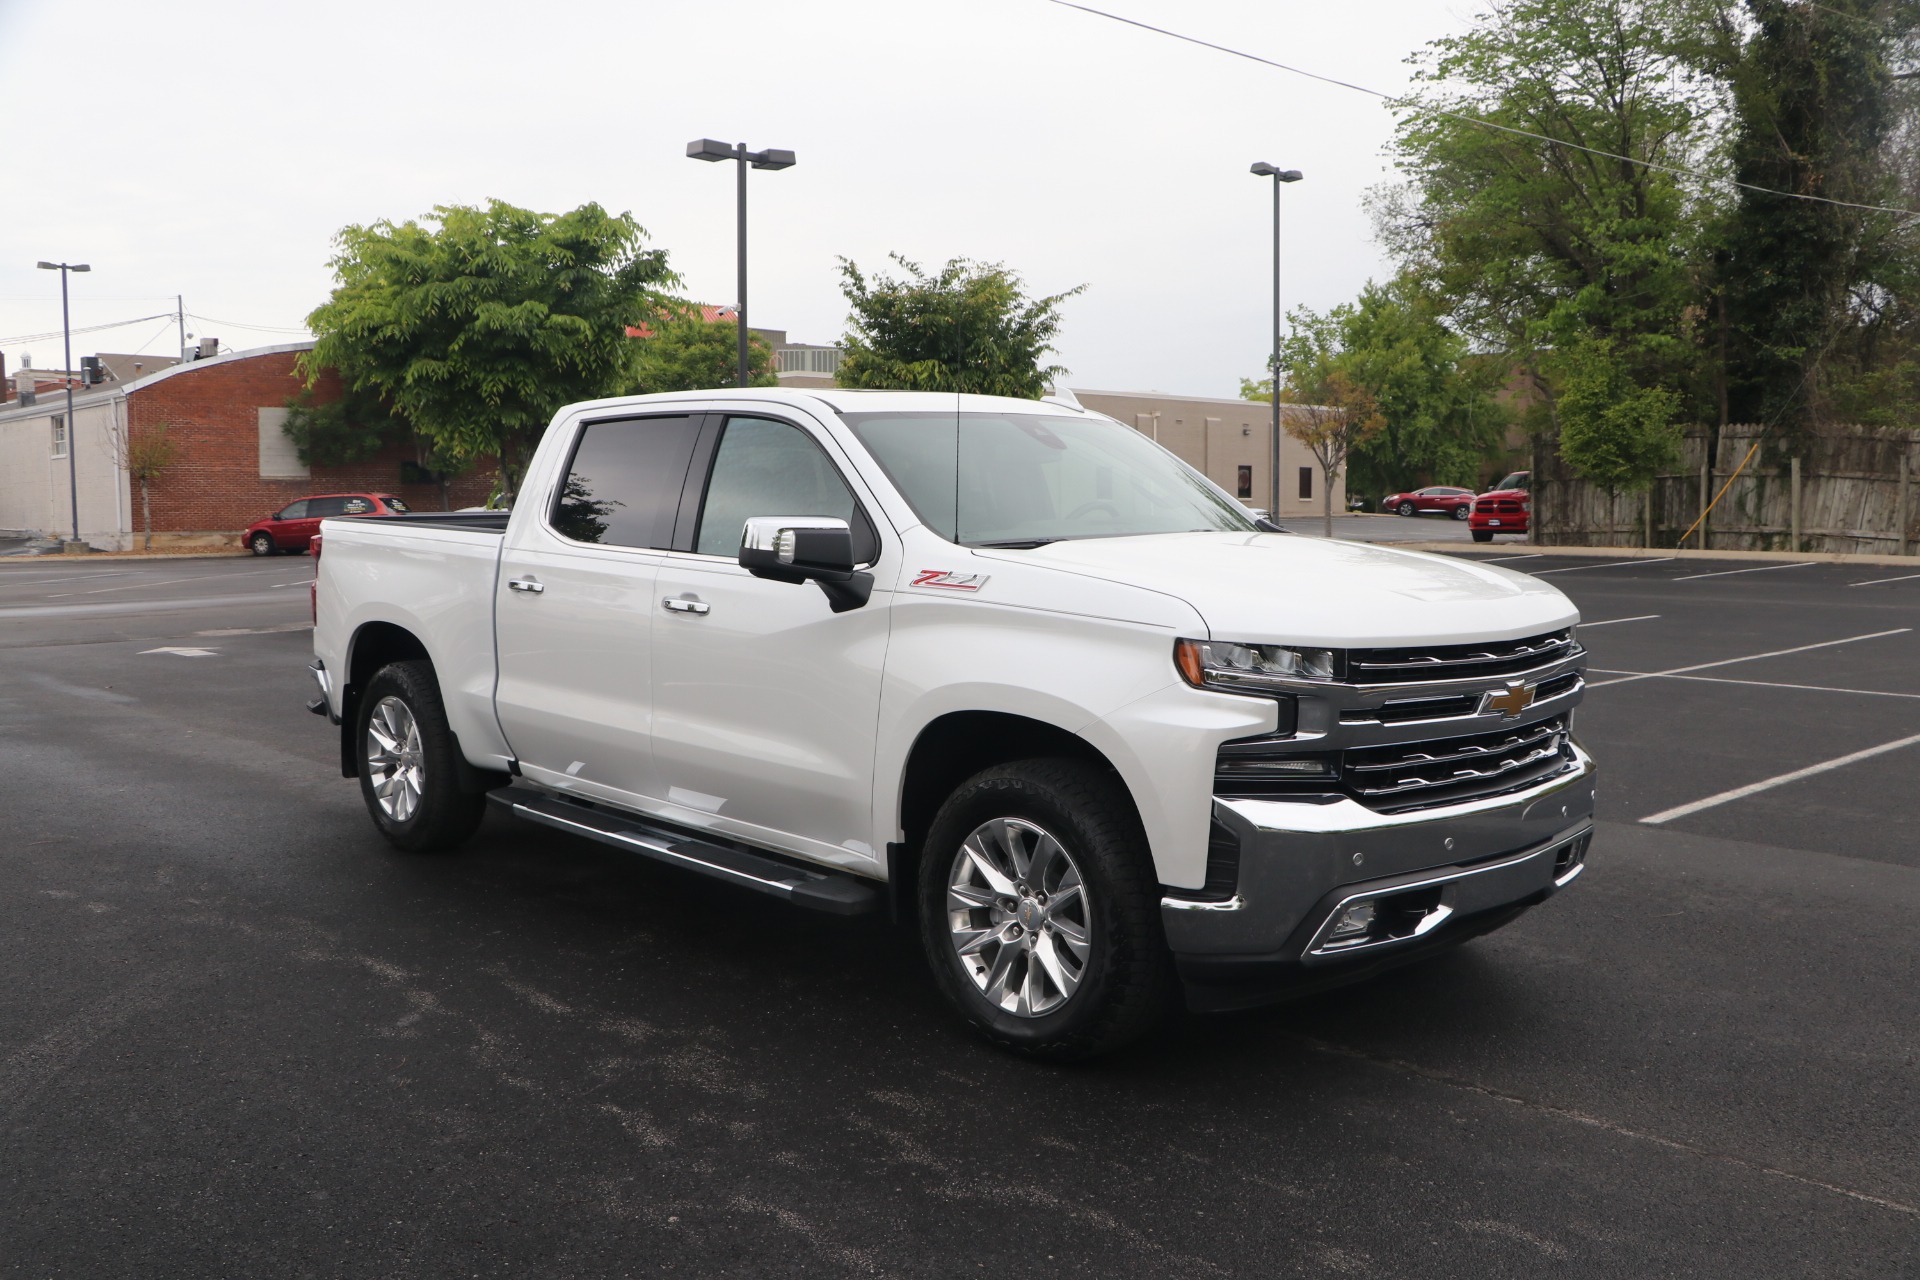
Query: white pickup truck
{"type": "Point", "coordinates": [1005, 668]}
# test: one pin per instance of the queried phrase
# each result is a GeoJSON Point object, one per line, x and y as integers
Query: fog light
{"type": "Point", "coordinates": [1353, 922]}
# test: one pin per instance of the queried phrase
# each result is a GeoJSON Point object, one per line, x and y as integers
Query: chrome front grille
{"type": "Point", "coordinates": [1458, 661]}
{"type": "Point", "coordinates": [1398, 778]}
{"type": "Point", "coordinates": [1450, 770]}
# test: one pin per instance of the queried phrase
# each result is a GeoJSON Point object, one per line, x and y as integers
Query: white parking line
{"type": "Point", "coordinates": [1765, 568]}
{"type": "Point", "coordinates": [1607, 622]}
{"type": "Point", "coordinates": [1752, 657]}
{"type": "Point", "coordinates": [1874, 582]}
{"type": "Point", "coordinates": [1753, 788]}
{"type": "Point", "coordinates": [1611, 564]}
{"type": "Point", "coordinates": [1539, 555]}
{"type": "Point", "coordinates": [1764, 684]}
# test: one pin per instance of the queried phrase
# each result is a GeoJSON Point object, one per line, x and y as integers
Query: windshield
{"type": "Point", "coordinates": [1518, 480]}
{"type": "Point", "coordinates": [994, 479]}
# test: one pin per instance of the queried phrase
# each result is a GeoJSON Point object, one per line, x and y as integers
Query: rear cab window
{"type": "Point", "coordinates": [623, 481]}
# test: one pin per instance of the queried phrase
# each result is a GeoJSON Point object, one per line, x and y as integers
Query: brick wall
{"type": "Point", "coordinates": [212, 415]}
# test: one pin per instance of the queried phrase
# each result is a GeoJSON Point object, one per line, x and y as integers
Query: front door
{"type": "Point", "coordinates": [575, 599]}
{"type": "Point", "coordinates": [764, 699]}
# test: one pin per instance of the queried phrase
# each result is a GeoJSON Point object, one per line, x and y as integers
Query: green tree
{"type": "Point", "coordinates": [1440, 420]}
{"type": "Point", "coordinates": [340, 432]}
{"type": "Point", "coordinates": [1531, 245]}
{"type": "Point", "coordinates": [687, 352]}
{"type": "Point", "coordinates": [356, 427]}
{"type": "Point", "coordinates": [476, 324]}
{"type": "Point", "coordinates": [145, 458]}
{"type": "Point", "coordinates": [1613, 431]}
{"type": "Point", "coordinates": [968, 327]}
{"type": "Point", "coordinates": [1818, 298]}
{"type": "Point", "coordinates": [1332, 417]}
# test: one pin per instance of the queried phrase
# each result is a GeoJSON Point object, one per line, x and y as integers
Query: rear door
{"type": "Point", "coordinates": [764, 700]}
{"type": "Point", "coordinates": [574, 600]}
{"type": "Point", "coordinates": [318, 509]}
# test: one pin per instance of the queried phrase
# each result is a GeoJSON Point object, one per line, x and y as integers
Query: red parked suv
{"type": "Point", "coordinates": [291, 527]}
{"type": "Point", "coordinates": [1502, 509]}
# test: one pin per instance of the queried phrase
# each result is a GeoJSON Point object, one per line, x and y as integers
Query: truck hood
{"type": "Point", "coordinates": [1282, 588]}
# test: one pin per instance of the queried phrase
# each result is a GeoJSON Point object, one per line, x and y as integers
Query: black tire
{"type": "Point", "coordinates": [262, 544]}
{"type": "Point", "coordinates": [1483, 535]}
{"type": "Point", "coordinates": [1127, 985]}
{"type": "Point", "coordinates": [448, 808]}
{"type": "Point", "coordinates": [1462, 512]}
{"type": "Point", "coordinates": [1405, 508]}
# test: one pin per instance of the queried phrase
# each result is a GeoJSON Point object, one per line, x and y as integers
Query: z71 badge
{"type": "Point", "coordinates": [946, 581]}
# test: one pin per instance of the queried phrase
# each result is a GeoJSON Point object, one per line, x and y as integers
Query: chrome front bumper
{"type": "Point", "coordinates": [1302, 864]}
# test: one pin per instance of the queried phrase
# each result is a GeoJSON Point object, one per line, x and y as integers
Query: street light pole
{"type": "Point", "coordinates": [66, 370]}
{"type": "Point", "coordinates": [708, 149]}
{"type": "Point", "coordinates": [1264, 170]}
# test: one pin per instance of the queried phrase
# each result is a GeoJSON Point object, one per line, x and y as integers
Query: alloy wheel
{"type": "Point", "coordinates": [395, 762]}
{"type": "Point", "coordinates": [1018, 915]}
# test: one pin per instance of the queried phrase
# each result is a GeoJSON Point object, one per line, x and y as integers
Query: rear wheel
{"type": "Point", "coordinates": [1405, 508]}
{"type": "Point", "coordinates": [1483, 535]}
{"type": "Point", "coordinates": [410, 765]}
{"type": "Point", "coordinates": [1039, 912]}
{"type": "Point", "coordinates": [261, 544]}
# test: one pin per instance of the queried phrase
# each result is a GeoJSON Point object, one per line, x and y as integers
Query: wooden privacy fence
{"type": "Point", "coordinates": [1853, 490]}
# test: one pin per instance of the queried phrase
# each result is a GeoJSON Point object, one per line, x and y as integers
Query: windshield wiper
{"type": "Point", "coordinates": [1020, 544]}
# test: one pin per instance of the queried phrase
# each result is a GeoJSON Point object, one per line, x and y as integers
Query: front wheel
{"type": "Point", "coordinates": [1405, 508]}
{"type": "Point", "coordinates": [1039, 911]}
{"type": "Point", "coordinates": [410, 774]}
{"type": "Point", "coordinates": [261, 544]}
{"type": "Point", "coordinates": [1462, 512]}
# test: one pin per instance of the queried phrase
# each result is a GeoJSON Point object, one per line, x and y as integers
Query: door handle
{"type": "Point", "coordinates": [527, 585]}
{"type": "Point", "coordinates": [687, 606]}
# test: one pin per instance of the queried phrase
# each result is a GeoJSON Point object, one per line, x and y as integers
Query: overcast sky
{"type": "Point", "coordinates": [212, 149]}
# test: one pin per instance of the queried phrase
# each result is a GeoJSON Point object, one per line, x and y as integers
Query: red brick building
{"type": "Point", "coordinates": [233, 463]}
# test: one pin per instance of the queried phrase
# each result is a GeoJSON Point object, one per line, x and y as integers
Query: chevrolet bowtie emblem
{"type": "Point", "coordinates": [1510, 701]}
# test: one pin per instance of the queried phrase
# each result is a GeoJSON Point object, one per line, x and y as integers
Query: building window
{"type": "Point", "coordinates": [1246, 482]}
{"type": "Point", "coordinates": [59, 435]}
{"type": "Point", "coordinates": [1306, 483]}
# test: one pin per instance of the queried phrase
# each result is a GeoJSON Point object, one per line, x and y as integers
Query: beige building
{"type": "Point", "coordinates": [1228, 440]}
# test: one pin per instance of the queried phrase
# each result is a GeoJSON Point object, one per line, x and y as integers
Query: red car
{"type": "Point", "coordinates": [1443, 498]}
{"type": "Point", "coordinates": [1502, 509]}
{"type": "Point", "coordinates": [291, 527]}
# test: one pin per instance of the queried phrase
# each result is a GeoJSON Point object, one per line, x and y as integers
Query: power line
{"type": "Point", "coordinates": [235, 324]}
{"type": "Point", "coordinates": [1483, 123]}
{"type": "Point", "coordinates": [92, 328]}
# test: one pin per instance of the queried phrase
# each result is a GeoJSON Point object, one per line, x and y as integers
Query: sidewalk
{"type": "Point", "coordinates": [1506, 549]}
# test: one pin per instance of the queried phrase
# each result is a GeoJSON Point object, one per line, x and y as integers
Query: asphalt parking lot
{"type": "Point", "coordinates": [240, 1036]}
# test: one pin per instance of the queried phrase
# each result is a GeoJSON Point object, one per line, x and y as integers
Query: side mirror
{"type": "Point", "coordinates": [806, 548]}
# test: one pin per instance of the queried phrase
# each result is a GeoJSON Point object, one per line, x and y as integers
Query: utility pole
{"type": "Point", "coordinates": [66, 377]}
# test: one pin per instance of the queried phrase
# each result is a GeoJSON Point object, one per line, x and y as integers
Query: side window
{"type": "Point", "coordinates": [768, 468]}
{"type": "Point", "coordinates": [321, 508]}
{"type": "Point", "coordinates": [624, 480]}
{"type": "Point", "coordinates": [355, 506]}
{"type": "Point", "coordinates": [396, 506]}
{"type": "Point", "coordinates": [297, 511]}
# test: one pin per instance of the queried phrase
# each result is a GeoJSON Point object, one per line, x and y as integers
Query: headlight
{"type": "Point", "coordinates": [1249, 668]}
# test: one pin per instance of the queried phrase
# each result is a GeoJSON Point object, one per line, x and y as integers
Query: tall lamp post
{"type": "Point", "coordinates": [1265, 170]}
{"type": "Point", "coordinates": [708, 149]}
{"type": "Point", "coordinates": [66, 369]}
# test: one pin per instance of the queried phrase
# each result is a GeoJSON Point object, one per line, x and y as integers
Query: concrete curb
{"type": "Point", "coordinates": [1666, 553]}
{"type": "Point", "coordinates": [121, 557]}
